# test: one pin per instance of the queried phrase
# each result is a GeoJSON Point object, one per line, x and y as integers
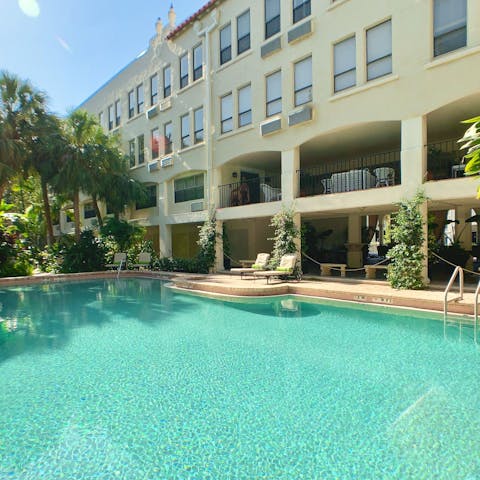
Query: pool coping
{"type": "Point", "coordinates": [356, 291]}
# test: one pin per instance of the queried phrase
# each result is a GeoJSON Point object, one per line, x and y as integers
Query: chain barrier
{"type": "Point", "coordinates": [453, 265]}
{"type": "Point", "coordinates": [347, 269]}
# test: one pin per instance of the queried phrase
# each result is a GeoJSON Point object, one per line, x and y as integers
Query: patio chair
{"type": "Point", "coordinates": [118, 259]}
{"type": "Point", "coordinates": [260, 264]}
{"type": "Point", "coordinates": [284, 270]}
{"type": "Point", "coordinates": [144, 260]}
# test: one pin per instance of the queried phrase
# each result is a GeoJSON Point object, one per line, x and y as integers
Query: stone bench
{"type": "Point", "coordinates": [371, 270]}
{"type": "Point", "coordinates": [326, 268]}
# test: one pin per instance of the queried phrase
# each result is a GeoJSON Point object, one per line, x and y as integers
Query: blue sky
{"type": "Point", "coordinates": [69, 48]}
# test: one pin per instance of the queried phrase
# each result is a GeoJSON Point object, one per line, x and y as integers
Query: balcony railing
{"type": "Point", "coordinates": [370, 171]}
{"type": "Point", "coordinates": [253, 190]}
{"type": "Point", "coordinates": [444, 160]}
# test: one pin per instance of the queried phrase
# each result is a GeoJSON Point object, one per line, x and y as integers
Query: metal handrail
{"type": "Point", "coordinates": [119, 268]}
{"type": "Point", "coordinates": [457, 272]}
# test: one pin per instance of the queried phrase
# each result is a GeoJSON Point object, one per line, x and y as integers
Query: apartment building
{"type": "Point", "coordinates": [339, 108]}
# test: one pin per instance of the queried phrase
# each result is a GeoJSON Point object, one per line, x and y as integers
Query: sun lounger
{"type": "Point", "coordinates": [260, 264]}
{"type": "Point", "coordinates": [284, 270]}
{"type": "Point", "coordinates": [144, 260]}
{"type": "Point", "coordinates": [118, 258]}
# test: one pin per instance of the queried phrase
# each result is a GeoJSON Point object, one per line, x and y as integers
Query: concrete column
{"type": "Point", "coordinates": [218, 267]}
{"type": "Point", "coordinates": [463, 231]}
{"type": "Point", "coordinates": [165, 240]}
{"type": "Point", "coordinates": [473, 26]}
{"type": "Point", "coordinates": [165, 235]}
{"type": "Point", "coordinates": [413, 155]}
{"type": "Point", "coordinates": [290, 167]}
{"type": "Point", "coordinates": [354, 245]}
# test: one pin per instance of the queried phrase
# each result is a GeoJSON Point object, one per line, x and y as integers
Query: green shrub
{"type": "Point", "coordinates": [207, 240]}
{"type": "Point", "coordinates": [86, 255]}
{"type": "Point", "coordinates": [187, 265]}
{"type": "Point", "coordinates": [286, 234]}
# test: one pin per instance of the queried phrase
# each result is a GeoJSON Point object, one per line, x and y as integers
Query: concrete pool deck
{"type": "Point", "coordinates": [376, 292]}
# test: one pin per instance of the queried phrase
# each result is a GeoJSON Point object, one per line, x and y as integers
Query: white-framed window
{"type": "Point", "coordinates": [101, 119]}
{"type": "Point", "coordinates": [245, 106]}
{"type": "Point", "coordinates": [272, 17]}
{"type": "Point", "coordinates": [184, 70]}
{"type": "Point", "coordinates": [118, 112]}
{"type": "Point", "coordinates": [187, 189]}
{"type": "Point", "coordinates": [155, 142]}
{"type": "Point", "coordinates": [243, 32]}
{"type": "Point", "coordinates": [185, 129]}
{"type": "Point", "coordinates": [226, 105]}
{"type": "Point", "coordinates": [150, 199]}
{"type": "Point", "coordinates": [301, 9]}
{"type": "Point", "coordinates": [345, 70]}
{"type": "Point", "coordinates": [274, 93]}
{"type": "Point", "coordinates": [198, 125]}
{"type": "Point", "coordinates": [89, 210]}
{"type": "Point", "coordinates": [153, 89]}
{"type": "Point", "coordinates": [110, 117]}
{"type": "Point", "coordinates": [303, 81]}
{"type": "Point", "coordinates": [140, 98]}
{"type": "Point", "coordinates": [225, 44]}
{"type": "Point", "coordinates": [131, 104]}
{"type": "Point", "coordinates": [131, 152]}
{"type": "Point", "coordinates": [449, 25]}
{"type": "Point", "coordinates": [197, 62]}
{"type": "Point", "coordinates": [379, 50]}
{"type": "Point", "coordinates": [167, 81]}
{"type": "Point", "coordinates": [141, 148]}
{"type": "Point", "coordinates": [168, 138]}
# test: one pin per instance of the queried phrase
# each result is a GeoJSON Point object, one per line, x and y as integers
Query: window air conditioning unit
{"type": "Point", "coordinates": [152, 112]}
{"type": "Point", "coordinates": [166, 162]}
{"type": "Point", "coordinates": [153, 166]}
{"type": "Point", "coordinates": [165, 104]}
{"type": "Point", "coordinates": [197, 206]}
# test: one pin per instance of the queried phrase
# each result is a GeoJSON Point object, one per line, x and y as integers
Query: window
{"type": "Point", "coordinates": [167, 82]}
{"type": "Point", "coordinates": [118, 113]}
{"type": "Point", "coordinates": [185, 128]}
{"type": "Point", "coordinates": [243, 32]}
{"type": "Point", "coordinates": [141, 148]}
{"type": "Point", "coordinates": [227, 113]}
{"type": "Point", "coordinates": [379, 50]}
{"type": "Point", "coordinates": [101, 119]}
{"type": "Point", "coordinates": [89, 211]}
{"type": "Point", "coordinates": [345, 71]}
{"type": "Point", "coordinates": [274, 93]}
{"type": "Point", "coordinates": [140, 99]}
{"type": "Point", "coordinates": [110, 117]}
{"type": "Point", "coordinates": [198, 125]}
{"type": "Point", "coordinates": [188, 188]}
{"type": "Point", "coordinates": [225, 44]}
{"type": "Point", "coordinates": [272, 17]}
{"type": "Point", "coordinates": [197, 62]}
{"type": "Point", "coordinates": [184, 70]}
{"type": "Point", "coordinates": [131, 104]}
{"type": "Point", "coordinates": [153, 89]}
{"type": "Point", "coordinates": [449, 25]}
{"type": "Point", "coordinates": [245, 106]}
{"type": "Point", "coordinates": [131, 152]}
{"type": "Point", "coordinates": [301, 9]}
{"type": "Point", "coordinates": [167, 133]}
{"type": "Point", "coordinates": [150, 198]}
{"type": "Point", "coordinates": [303, 81]}
{"type": "Point", "coordinates": [155, 141]}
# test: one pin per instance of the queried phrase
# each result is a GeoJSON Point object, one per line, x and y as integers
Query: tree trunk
{"type": "Point", "coordinates": [76, 214]}
{"type": "Point", "coordinates": [48, 216]}
{"type": "Point", "coordinates": [97, 212]}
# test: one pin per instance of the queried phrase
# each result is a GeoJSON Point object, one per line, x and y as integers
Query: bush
{"type": "Point", "coordinates": [86, 255]}
{"type": "Point", "coordinates": [207, 240]}
{"type": "Point", "coordinates": [187, 265]}
{"type": "Point", "coordinates": [286, 233]}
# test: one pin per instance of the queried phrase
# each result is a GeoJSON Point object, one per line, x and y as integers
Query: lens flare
{"type": "Point", "coordinates": [31, 8]}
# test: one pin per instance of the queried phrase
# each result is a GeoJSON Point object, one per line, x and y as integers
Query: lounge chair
{"type": "Point", "coordinates": [260, 264]}
{"type": "Point", "coordinates": [118, 259]}
{"type": "Point", "coordinates": [284, 270]}
{"type": "Point", "coordinates": [144, 260]}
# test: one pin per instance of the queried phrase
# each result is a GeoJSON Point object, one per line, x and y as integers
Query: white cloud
{"type": "Point", "coordinates": [31, 8]}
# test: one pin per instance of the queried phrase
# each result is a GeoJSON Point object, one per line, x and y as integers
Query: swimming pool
{"type": "Point", "coordinates": [127, 379]}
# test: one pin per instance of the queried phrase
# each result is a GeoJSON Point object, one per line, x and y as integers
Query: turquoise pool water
{"type": "Point", "coordinates": [128, 380]}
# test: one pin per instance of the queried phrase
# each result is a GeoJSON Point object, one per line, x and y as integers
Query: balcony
{"type": "Point", "coordinates": [444, 160]}
{"type": "Point", "coordinates": [369, 171]}
{"type": "Point", "coordinates": [250, 191]}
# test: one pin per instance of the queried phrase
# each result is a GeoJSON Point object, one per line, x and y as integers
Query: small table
{"type": "Point", "coordinates": [458, 170]}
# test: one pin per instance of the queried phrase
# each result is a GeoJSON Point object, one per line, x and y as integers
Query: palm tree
{"type": "Point", "coordinates": [20, 105]}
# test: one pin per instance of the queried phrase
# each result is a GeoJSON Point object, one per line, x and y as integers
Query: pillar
{"type": "Point", "coordinates": [218, 267]}
{"type": "Point", "coordinates": [165, 240]}
{"type": "Point", "coordinates": [165, 236]}
{"type": "Point", "coordinates": [354, 244]}
{"type": "Point", "coordinates": [290, 167]}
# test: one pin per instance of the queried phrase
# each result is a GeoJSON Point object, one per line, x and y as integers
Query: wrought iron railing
{"type": "Point", "coordinates": [444, 160]}
{"type": "Point", "coordinates": [369, 171]}
{"type": "Point", "coordinates": [254, 190]}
